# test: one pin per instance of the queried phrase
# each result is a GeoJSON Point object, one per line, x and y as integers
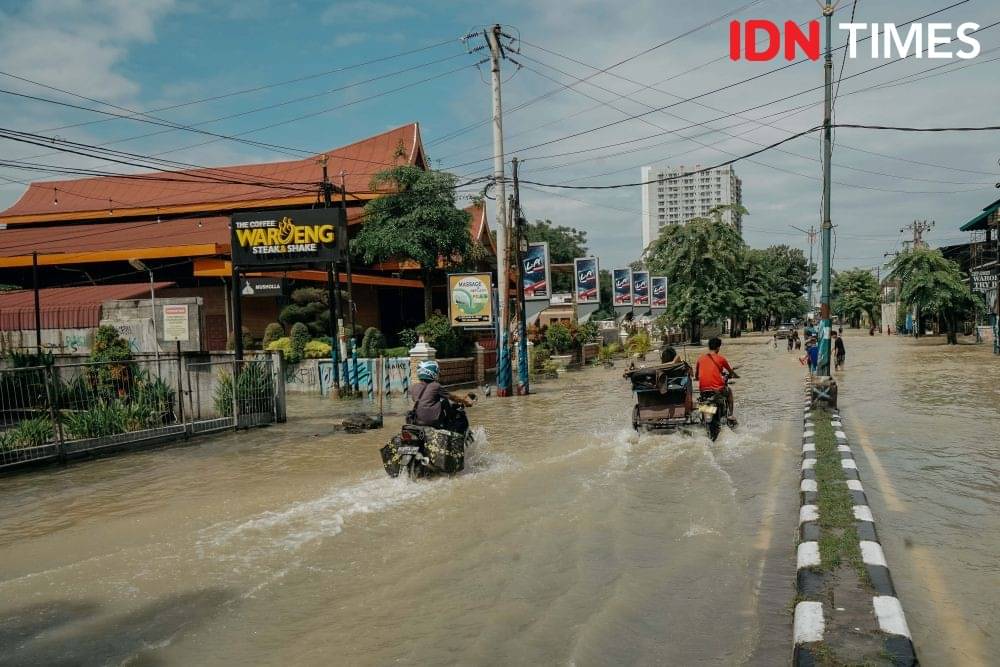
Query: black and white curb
{"type": "Point", "coordinates": [808, 624]}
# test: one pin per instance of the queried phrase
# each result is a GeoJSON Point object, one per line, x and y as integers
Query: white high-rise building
{"type": "Point", "coordinates": [674, 202]}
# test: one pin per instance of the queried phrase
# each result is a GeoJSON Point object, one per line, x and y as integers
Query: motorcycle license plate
{"type": "Point", "coordinates": [708, 409]}
{"type": "Point", "coordinates": [409, 449]}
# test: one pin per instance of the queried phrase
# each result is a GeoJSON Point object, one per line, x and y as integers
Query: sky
{"type": "Point", "coordinates": [152, 54]}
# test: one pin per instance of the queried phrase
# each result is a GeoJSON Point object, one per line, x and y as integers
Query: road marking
{"type": "Point", "coordinates": [892, 501]}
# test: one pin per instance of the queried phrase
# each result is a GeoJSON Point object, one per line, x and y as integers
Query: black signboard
{"type": "Point", "coordinates": [286, 237]}
{"type": "Point", "coordinates": [262, 287]}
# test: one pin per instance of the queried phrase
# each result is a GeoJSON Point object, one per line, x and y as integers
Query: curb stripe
{"type": "Point", "coordinates": [872, 554]}
{"type": "Point", "coordinates": [807, 555]}
{"type": "Point", "coordinates": [808, 513]}
{"type": "Point", "coordinates": [889, 613]}
{"type": "Point", "coordinates": [863, 513]}
{"type": "Point", "coordinates": [808, 486]}
{"type": "Point", "coordinates": [808, 625]}
{"type": "Point", "coordinates": [855, 485]}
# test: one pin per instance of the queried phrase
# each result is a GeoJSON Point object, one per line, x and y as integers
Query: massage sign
{"type": "Point", "coordinates": [287, 237]}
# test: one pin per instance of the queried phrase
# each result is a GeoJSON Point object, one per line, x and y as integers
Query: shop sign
{"type": "Point", "coordinates": [622, 279]}
{"type": "Point", "coordinates": [640, 288]}
{"type": "Point", "coordinates": [535, 265]}
{"type": "Point", "coordinates": [470, 299]}
{"type": "Point", "coordinates": [587, 287]}
{"type": "Point", "coordinates": [284, 237]}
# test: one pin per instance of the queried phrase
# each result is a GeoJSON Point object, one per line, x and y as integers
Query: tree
{"type": "Point", "coordinates": [700, 259]}
{"type": "Point", "coordinates": [607, 310]}
{"type": "Point", "coordinates": [855, 292]}
{"type": "Point", "coordinates": [416, 220]}
{"type": "Point", "coordinates": [933, 284]}
{"type": "Point", "coordinates": [565, 245]}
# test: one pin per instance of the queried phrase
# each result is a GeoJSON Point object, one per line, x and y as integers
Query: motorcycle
{"type": "Point", "coordinates": [714, 409]}
{"type": "Point", "coordinates": [663, 397]}
{"type": "Point", "coordinates": [424, 451]}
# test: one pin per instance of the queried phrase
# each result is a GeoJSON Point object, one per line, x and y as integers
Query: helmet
{"type": "Point", "coordinates": [428, 371]}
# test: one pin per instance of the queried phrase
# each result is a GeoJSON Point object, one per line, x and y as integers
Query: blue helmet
{"type": "Point", "coordinates": [428, 371]}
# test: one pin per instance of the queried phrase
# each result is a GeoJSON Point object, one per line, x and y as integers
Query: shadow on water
{"type": "Point", "coordinates": [64, 632]}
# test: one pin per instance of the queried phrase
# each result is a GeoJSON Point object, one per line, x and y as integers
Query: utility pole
{"type": "Point", "coordinates": [811, 233]}
{"type": "Point", "coordinates": [333, 293]}
{"type": "Point", "coordinates": [918, 227]}
{"type": "Point", "coordinates": [503, 280]}
{"type": "Point", "coordinates": [346, 248]}
{"type": "Point", "coordinates": [823, 365]}
{"type": "Point", "coordinates": [522, 330]}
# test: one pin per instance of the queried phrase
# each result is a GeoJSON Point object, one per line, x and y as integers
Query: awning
{"type": "Point", "coordinates": [65, 307]}
{"type": "Point", "coordinates": [213, 267]}
{"type": "Point", "coordinates": [979, 222]}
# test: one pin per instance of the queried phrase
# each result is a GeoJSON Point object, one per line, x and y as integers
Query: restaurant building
{"type": "Point", "coordinates": [99, 238]}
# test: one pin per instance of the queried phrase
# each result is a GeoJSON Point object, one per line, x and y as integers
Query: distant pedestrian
{"type": "Point", "coordinates": [791, 339]}
{"type": "Point", "coordinates": [798, 342]}
{"type": "Point", "coordinates": [774, 341]}
{"type": "Point", "coordinates": [840, 330]}
{"type": "Point", "coordinates": [839, 351]}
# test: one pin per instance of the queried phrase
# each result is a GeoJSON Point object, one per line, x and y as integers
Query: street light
{"type": "Point", "coordinates": [138, 265]}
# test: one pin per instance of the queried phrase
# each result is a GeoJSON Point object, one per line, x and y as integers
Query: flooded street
{"type": "Point", "coordinates": [925, 419]}
{"type": "Point", "coordinates": [568, 540]}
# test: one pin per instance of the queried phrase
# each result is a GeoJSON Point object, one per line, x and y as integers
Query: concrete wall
{"type": "Point", "coordinates": [132, 316]}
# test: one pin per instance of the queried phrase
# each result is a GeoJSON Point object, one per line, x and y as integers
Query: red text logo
{"type": "Point", "coordinates": [746, 42]}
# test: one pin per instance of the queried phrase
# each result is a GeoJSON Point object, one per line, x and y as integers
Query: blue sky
{"type": "Point", "coordinates": [154, 53]}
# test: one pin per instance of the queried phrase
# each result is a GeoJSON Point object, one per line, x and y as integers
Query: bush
{"type": "Point", "coordinates": [317, 349]}
{"type": "Point", "coordinates": [272, 332]}
{"type": "Point", "coordinates": [372, 344]}
{"type": "Point", "coordinates": [408, 338]}
{"type": "Point", "coordinates": [300, 337]}
{"type": "Point", "coordinates": [396, 352]}
{"type": "Point", "coordinates": [100, 420]}
{"type": "Point", "coordinates": [284, 345]}
{"type": "Point", "coordinates": [29, 433]}
{"type": "Point", "coordinates": [440, 335]}
{"type": "Point", "coordinates": [540, 355]}
{"type": "Point", "coordinates": [638, 343]}
{"type": "Point", "coordinates": [254, 391]}
{"type": "Point", "coordinates": [247, 341]}
{"type": "Point", "coordinates": [559, 338]}
{"type": "Point", "coordinates": [588, 332]}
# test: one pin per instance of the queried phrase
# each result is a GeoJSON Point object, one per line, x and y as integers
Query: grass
{"type": "Point", "coordinates": [838, 542]}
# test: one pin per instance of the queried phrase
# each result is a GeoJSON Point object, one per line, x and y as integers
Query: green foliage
{"type": "Point", "coordinates": [638, 343]}
{"type": "Point", "coordinates": [373, 343]}
{"type": "Point", "coordinates": [100, 420]}
{"type": "Point", "coordinates": [396, 352]}
{"type": "Point", "coordinates": [112, 377]}
{"type": "Point", "coordinates": [417, 220]}
{"type": "Point", "coordinates": [933, 284]}
{"type": "Point", "coordinates": [33, 432]}
{"type": "Point", "coordinates": [559, 338]}
{"type": "Point", "coordinates": [565, 244]}
{"type": "Point", "coordinates": [300, 336]}
{"type": "Point", "coordinates": [439, 334]}
{"type": "Point", "coordinates": [284, 345]}
{"type": "Point", "coordinates": [254, 390]}
{"type": "Point", "coordinates": [771, 284]}
{"type": "Point", "coordinates": [247, 340]}
{"type": "Point", "coordinates": [309, 307]}
{"type": "Point", "coordinates": [540, 356]}
{"type": "Point", "coordinates": [701, 260]}
{"type": "Point", "coordinates": [272, 332]}
{"type": "Point", "coordinates": [317, 349]}
{"type": "Point", "coordinates": [606, 311]}
{"type": "Point", "coordinates": [855, 292]}
{"type": "Point", "coordinates": [588, 332]}
{"type": "Point", "coordinates": [408, 338]}
{"type": "Point", "coordinates": [30, 360]}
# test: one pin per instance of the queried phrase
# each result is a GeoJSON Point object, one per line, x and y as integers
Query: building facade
{"type": "Point", "coordinates": [673, 198]}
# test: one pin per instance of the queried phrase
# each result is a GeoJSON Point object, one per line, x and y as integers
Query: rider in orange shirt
{"type": "Point", "coordinates": [708, 372]}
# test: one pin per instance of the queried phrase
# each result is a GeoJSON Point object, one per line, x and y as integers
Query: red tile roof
{"type": "Point", "coordinates": [290, 179]}
{"type": "Point", "coordinates": [65, 307]}
{"type": "Point", "coordinates": [479, 226]}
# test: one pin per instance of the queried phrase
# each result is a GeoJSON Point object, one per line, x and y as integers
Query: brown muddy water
{"type": "Point", "coordinates": [569, 540]}
{"type": "Point", "coordinates": [924, 423]}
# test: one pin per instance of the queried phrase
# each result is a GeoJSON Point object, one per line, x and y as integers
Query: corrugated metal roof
{"type": "Point", "coordinates": [291, 178]}
{"type": "Point", "coordinates": [65, 307]}
{"type": "Point", "coordinates": [979, 222]}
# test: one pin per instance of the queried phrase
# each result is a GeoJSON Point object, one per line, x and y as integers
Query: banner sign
{"type": "Point", "coordinates": [470, 299]}
{"type": "Point", "coordinates": [983, 280]}
{"type": "Point", "coordinates": [296, 236]}
{"type": "Point", "coordinates": [640, 288]}
{"type": "Point", "coordinates": [659, 298]}
{"type": "Point", "coordinates": [535, 263]}
{"type": "Point", "coordinates": [587, 288]}
{"type": "Point", "coordinates": [262, 286]}
{"type": "Point", "coordinates": [622, 287]}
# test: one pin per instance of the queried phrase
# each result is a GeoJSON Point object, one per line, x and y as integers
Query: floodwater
{"type": "Point", "coordinates": [924, 420]}
{"type": "Point", "coordinates": [568, 540]}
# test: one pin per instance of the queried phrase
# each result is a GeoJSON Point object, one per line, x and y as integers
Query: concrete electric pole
{"type": "Point", "coordinates": [503, 282]}
{"type": "Point", "coordinates": [811, 233]}
{"type": "Point", "coordinates": [823, 365]}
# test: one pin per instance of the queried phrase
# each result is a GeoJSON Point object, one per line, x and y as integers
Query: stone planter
{"type": "Point", "coordinates": [561, 360]}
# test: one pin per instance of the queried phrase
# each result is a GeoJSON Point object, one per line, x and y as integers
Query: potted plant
{"type": "Point", "coordinates": [559, 339]}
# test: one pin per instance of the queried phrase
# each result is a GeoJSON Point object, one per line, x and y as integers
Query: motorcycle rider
{"type": "Point", "coordinates": [432, 405]}
{"type": "Point", "coordinates": [709, 373]}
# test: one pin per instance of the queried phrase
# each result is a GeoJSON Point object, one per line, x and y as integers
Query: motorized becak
{"type": "Point", "coordinates": [423, 451]}
{"type": "Point", "coordinates": [665, 401]}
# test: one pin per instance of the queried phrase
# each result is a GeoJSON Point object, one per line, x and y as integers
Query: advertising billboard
{"type": "Point", "coordinates": [640, 288]}
{"type": "Point", "coordinates": [535, 265]}
{"type": "Point", "coordinates": [622, 294]}
{"type": "Point", "coordinates": [587, 287]}
{"type": "Point", "coordinates": [294, 236]}
{"type": "Point", "coordinates": [659, 287]}
{"type": "Point", "coordinates": [470, 299]}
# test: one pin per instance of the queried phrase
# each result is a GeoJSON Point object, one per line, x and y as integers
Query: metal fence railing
{"type": "Point", "coordinates": [57, 411]}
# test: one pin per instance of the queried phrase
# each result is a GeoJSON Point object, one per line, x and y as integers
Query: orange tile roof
{"type": "Point", "coordinates": [479, 226]}
{"type": "Point", "coordinates": [296, 178]}
{"type": "Point", "coordinates": [65, 307]}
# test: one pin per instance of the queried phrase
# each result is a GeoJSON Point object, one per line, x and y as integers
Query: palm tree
{"type": "Point", "coordinates": [932, 284]}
